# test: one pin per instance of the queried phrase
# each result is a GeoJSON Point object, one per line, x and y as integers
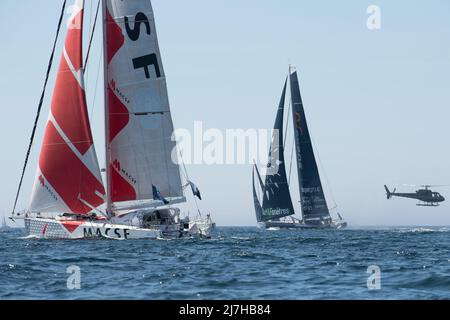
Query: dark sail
{"type": "Point", "coordinates": [258, 208]}
{"type": "Point", "coordinates": [314, 205]}
{"type": "Point", "coordinates": [277, 201]}
{"type": "Point", "coordinates": [261, 183]}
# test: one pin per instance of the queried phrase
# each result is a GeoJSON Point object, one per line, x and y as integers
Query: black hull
{"type": "Point", "coordinates": [301, 226]}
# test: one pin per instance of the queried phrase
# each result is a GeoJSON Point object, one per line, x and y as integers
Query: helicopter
{"type": "Point", "coordinates": [427, 197]}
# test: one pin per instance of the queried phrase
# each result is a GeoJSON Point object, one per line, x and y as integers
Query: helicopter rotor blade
{"type": "Point", "coordinates": [426, 185]}
{"type": "Point", "coordinates": [436, 186]}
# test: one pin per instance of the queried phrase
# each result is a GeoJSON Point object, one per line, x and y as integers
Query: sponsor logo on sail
{"type": "Point", "coordinates": [311, 189]}
{"type": "Point", "coordinates": [120, 94]}
{"type": "Point", "coordinates": [276, 212]}
{"type": "Point", "coordinates": [118, 167]}
{"type": "Point", "coordinates": [298, 121]}
{"type": "Point", "coordinates": [46, 187]}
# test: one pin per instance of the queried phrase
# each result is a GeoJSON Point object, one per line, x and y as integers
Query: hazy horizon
{"type": "Point", "coordinates": [376, 100]}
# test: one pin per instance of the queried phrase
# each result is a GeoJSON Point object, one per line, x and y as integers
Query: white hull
{"type": "Point", "coordinates": [75, 230]}
{"type": "Point", "coordinates": [168, 221]}
{"type": "Point", "coordinates": [202, 227]}
{"type": "Point", "coordinates": [117, 229]}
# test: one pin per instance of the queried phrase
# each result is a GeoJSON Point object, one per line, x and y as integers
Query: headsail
{"type": "Point", "coordinates": [277, 201]}
{"type": "Point", "coordinates": [258, 208]}
{"type": "Point", "coordinates": [139, 123]}
{"type": "Point", "coordinates": [68, 177]}
{"type": "Point", "coordinates": [261, 183]}
{"type": "Point", "coordinates": [314, 205]}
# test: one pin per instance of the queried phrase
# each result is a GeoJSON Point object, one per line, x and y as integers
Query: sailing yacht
{"type": "Point", "coordinates": [4, 226]}
{"type": "Point", "coordinates": [142, 176]}
{"type": "Point", "coordinates": [277, 210]}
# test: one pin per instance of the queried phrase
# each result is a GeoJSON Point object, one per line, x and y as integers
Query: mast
{"type": "Point", "coordinates": [109, 211]}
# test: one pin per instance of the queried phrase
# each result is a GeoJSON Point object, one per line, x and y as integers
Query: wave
{"type": "Point", "coordinates": [424, 229]}
{"type": "Point", "coordinates": [31, 236]}
{"type": "Point", "coordinates": [241, 238]}
{"type": "Point", "coordinates": [432, 281]}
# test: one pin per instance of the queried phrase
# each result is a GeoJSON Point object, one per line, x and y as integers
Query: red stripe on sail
{"type": "Point", "coordinates": [70, 110]}
{"type": "Point", "coordinates": [121, 189]}
{"type": "Point", "coordinates": [69, 100]}
{"type": "Point", "coordinates": [73, 42]}
{"type": "Point", "coordinates": [67, 174]}
{"type": "Point", "coordinates": [118, 114]}
{"type": "Point", "coordinates": [115, 38]}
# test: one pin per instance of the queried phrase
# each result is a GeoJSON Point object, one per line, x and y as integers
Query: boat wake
{"type": "Point", "coordinates": [424, 230]}
{"type": "Point", "coordinates": [241, 238]}
{"type": "Point", "coordinates": [31, 236]}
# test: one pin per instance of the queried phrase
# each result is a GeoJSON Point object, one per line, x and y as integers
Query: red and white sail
{"type": "Point", "coordinates": [68, 177]}
{"type": "Point", "coordinates": [138, 119]}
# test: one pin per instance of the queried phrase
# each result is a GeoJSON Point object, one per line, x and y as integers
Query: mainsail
{"type": "Point", "coordinates": [68, 177]}
{"type": "Point", "coordinates": [139, 124]}
{"type": "Point", "coordinates": [314, 205]}
{"type": "Point", "coordinates": [277, 201]}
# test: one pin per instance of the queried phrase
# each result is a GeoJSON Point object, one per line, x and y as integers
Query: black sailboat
{"type": "Point", "coordinates": [277, 210]}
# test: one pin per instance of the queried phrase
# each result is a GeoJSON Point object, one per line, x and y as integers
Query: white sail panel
{"type": "Point", "coordinates": [139, 121]}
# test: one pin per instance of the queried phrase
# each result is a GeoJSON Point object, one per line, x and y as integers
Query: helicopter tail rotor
{"type": "Point", "coordinates": [388, 193]}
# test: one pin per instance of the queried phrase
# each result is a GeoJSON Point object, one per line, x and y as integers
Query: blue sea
{"type": "Point", "coordinates": [238, 263]}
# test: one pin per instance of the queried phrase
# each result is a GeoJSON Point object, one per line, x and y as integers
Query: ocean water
{"type": "Point", "coordinates": [238, 263]}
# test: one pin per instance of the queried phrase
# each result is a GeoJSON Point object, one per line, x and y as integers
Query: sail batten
{"type": "Point", "coordinates": [313, 202]}
{"type": "Point", "coordinates": [68, 176]}
{"type": "Point", "coordinates": [140, 128]}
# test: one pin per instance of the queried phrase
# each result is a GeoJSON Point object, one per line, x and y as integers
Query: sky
{"type": "Point", "coordinates": [377, 101]}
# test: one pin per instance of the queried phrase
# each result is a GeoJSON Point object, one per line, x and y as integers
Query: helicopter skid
{"type": "Point", "coordinates": [428, 204]}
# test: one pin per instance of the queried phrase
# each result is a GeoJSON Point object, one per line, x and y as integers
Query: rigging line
{"type": "Point", "coordinates": [290, 165]}
{"type": "Point", "coordinates": [90, 15]}
{"type": "Point", "coordinates": [288, 118]}
{"type": "Point", "coordinates": [287, 121]}
{"type": "Point", "coordinates": [164, 141]}
{"type": "Point", "coordinates": [41, 101]}
{"type": "Point", "coordinates": [324, 172]}
{"type": "Point", "coordinates": [188, 180]}
{"type": "Point", "coordinates": [92, 35]}
{"type": "Point", "coordinates": [86, 76]}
